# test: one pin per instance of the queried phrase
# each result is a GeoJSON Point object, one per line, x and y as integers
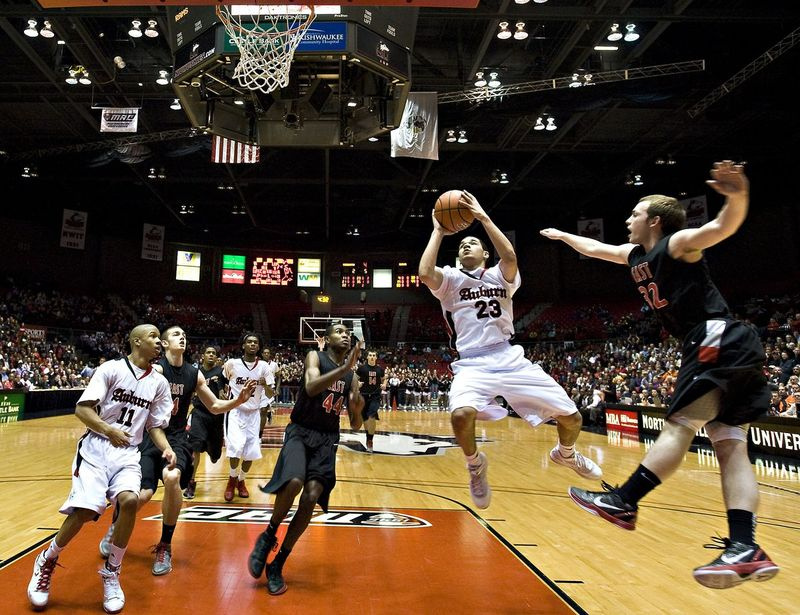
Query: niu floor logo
{"type": "Point", "coordinates": [332, 518]}
{"type": "Point", "coordinates": [400, 444]}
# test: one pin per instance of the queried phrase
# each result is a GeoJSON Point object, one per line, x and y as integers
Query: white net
{"type": "Point", "coordinates": [267, 36]}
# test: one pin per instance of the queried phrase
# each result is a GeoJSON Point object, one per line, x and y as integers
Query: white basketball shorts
{"type": "Point", "coordinates": [242, 439]}
{"type": "Point", "coordinates": [527, 388]}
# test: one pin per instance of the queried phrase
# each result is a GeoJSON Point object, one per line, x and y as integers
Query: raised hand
{"type": "Point", "coordinates": [552, 233]}
{"type": "Point", "coordinates": [729, 179]}
{"type": "Point", "coordinates": [469, 201]}
{"type": "Point", "coordinates": [438, 227]}
{"type": "Point", "coordinates": [247, 391]}
{"type": "Point", "coordinates": [352, 357]}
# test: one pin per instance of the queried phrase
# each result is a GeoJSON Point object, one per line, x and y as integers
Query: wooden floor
{"type": "Point", "coordinates": [583, 563]}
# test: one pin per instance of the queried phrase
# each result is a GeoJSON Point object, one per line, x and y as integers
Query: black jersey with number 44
{"type": "Point", "coordinates": [680, 293]}
{"type": "Point", "coordinates": [322, 411]}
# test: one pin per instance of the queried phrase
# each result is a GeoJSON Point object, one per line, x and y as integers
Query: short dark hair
{"type": "Point", "coordinates": [673, 216]}
{"type": "Point", "coordinates": [165, 332]}
{"type": "Point", "coordinates": [247, 334]}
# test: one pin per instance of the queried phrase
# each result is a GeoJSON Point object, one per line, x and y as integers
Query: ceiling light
{"type": "Point", "coordinates": [352, 103]}
{"type": "Point", "coordinates": [136, 29]}
{"type": "Point", "coordinates": [176, 105]}
{"type": "Point", "coordinates": [119, 62]}
{"type": "Point", "coordinates": [61, 41]}
{"type": "Point", "coordinates": [26, 172]}
{"type": "Point", "coordinates": [504, 32]}
{"type": "Point", "coordinates": [151, 31]}
{"type": "Point", "coordinates": [629, 180]}
{"type": "Point", "coordinates": [494, 82]}
{"type": "Point", "coordinates": [587, 79]}
{"type": "Point", "coordinates": [576, 82]}
{"type": "Point", "coordinates": [495, 176]}
{"type": "Point", "coordinates": [72, 79]}
{"type": "Point", "coordinates": [540, 1]}
{"type": "Point", "coordinates": [162, 78]}
{"type": "Point", "coordinates": [451, 136]}
{"type": "Point", "coordinates": [522, 1]}
{"type": "Point", "coordinates": [152, 173]}
{"type": "Point", "coordinates": [615, 34]}
{"type": "Point", "coordinates": [631, 35]}
{"type": "Point", "coordinates": [480, 82]}
{"type": "Point", "coordinates": [47, 30]}
{"type": "Point", "coordinates": [606, 47]}
{"type": "Point", "coordinates": [84, 78]}
{"type": "Point", "coordinates": [520, 34]}
{"type": "Point", "coordinates": [462, 136]}
{"type": "Point", "coordinates": [373, 138]}
{"type": "Point", "coordinates": [637, 180]}
{"type": "Point", "coordinates": [238, 101]}
{"type": "Point", "coordinates": [539, 125]}
{"type": "Point", "coordinates": [162, 174]}
{"type": "Point", "coordinates": [33, 32]}
{"type": "Point", "coordinates": [503, 178]}
{"type": "Point", "coordinates": [184, 210]}
{"type": "Point", "coordinates": [551, 124]}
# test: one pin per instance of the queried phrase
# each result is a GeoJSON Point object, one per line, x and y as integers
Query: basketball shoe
{"type": "Point", "coordinates": [583, 466]}
{"type": "Point", "coordinates": [738, 563]}
{"type": "Point", "coordinates": [39, 585]}
{"type": "Point", "coordinates": [105, 542]}
{"type": "Point", "coordinates": [188, 493]}
{"type": "Point", "coordinates": [229, 488]}
{"type": "Point", "coordinates": [479, 482]}
{"type": "Point", "coordinates": [242, 489]}
{"type": "Point", "coordinates": [258, 556]}
{"type": "Point", "coordinates": [606, 504]}
{"type": "Point", "coordinates": [113, 597]}
{"type": "Point", "coordinates": [162, 564]}
{"type": "Point", "coordinates": [275, 583]}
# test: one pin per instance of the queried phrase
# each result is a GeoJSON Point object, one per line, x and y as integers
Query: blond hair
{"type": "Point", "coordinates": [673, 216]}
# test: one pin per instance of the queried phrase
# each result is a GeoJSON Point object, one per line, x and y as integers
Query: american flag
{"type": "Point", "coordinates": [230, 151]}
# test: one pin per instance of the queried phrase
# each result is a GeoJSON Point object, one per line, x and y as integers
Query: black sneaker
{"type": "Point", "coordinates": [188, 493]}
{"type": "Point", "coordinates": [740, 562]}
{"type": "Point", "coordinates": [275, 582]}
{"type": "Point", "coordinates": [606, 504]}
{"type": "Point", "coordinates": [259, 554]}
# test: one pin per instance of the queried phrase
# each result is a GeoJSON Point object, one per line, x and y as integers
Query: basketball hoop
{"type": "Point", "coordinates": [267, 36]}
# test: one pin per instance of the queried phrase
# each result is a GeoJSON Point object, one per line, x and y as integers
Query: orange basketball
{"type": "Point", "coordinates": [453, 216]}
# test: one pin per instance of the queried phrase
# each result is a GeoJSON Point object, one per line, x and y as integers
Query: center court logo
{"type": "Point", "coordinates": [332, 518]}
{"type": "Point", "coordinates": [401, 444]}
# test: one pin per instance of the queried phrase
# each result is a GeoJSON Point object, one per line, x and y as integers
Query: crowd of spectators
{"type": "Point", "coordinates": [633, 364]}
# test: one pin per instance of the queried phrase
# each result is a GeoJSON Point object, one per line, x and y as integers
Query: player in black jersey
{"type": "Point", "coordinates": [184, 381]}
{"type": "Point", "coordinates": [206, 429]}
{"type": "Point", "coordinates": [721, 384]}
{"type": "Point", "coordinates": [307, 461]}
{"type": "Point", "coordinates": [373, 380]}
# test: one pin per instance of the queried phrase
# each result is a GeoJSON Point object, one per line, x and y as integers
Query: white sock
{"type": "Point", "coordinates": [234, 472]}
{"type": "Point", "coordinates": [566, 451]}
{"type": "Point", "coordinates": [115, 557]}
{"type": "Point", "coordinates": [242, 475]}
{"type": "Point", "coordinates": [472, 459]}
{"type": "Point", "coordinates": [53, 551]}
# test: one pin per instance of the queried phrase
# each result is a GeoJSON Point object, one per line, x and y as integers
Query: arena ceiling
{"type": "Point", "coordinates": [738, 106]}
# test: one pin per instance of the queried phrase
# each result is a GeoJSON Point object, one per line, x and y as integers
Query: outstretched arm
{"type": "Point", "coordinates": [729, 180]}
{"type": "Point", "coordinates": [501, 244]}
{"type": "Point", "coordinates": [591, 247]}
{"type": "Point", "coordinates": [218, 406]}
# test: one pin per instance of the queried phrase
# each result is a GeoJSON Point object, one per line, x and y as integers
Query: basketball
{"type": "Point", "coordinates": [453, 216]}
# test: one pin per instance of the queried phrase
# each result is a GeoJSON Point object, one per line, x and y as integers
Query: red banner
{"type": "Point", "coordinates": [626, 421]}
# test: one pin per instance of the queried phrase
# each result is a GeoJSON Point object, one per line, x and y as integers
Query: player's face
{"type": "Point", "coordinates": [339, 337]}
{"type": "Point", "coordinates": [176, 340]}
{"type": "Point", "coordinates": [150, 343]}
{"type": "Point", "coordinates": [638, 223]}
{"type": "Point", "coordinates": [372, 358]}
{"type": "Point", "coordinates": [266, 354]}
{"type": "Point", "coordinates": [210, 355]}
{"type": "Point", "coordinates": [471, 253]}
{"type": "Point", "coordinates": [251, 345]}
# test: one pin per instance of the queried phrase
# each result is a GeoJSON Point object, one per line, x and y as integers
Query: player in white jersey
{"type": "Point", "coordinates": [273, 381]}
{"type": "Point", "coordinates": [242, 435]}
{"type": "Point", "coordinates": [477, 305]}
{"type": "Point", "coordinates": [123, 398]}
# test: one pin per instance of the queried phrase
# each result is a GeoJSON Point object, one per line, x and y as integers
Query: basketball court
{"type": "Point", "coordinates": [402, 535]}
